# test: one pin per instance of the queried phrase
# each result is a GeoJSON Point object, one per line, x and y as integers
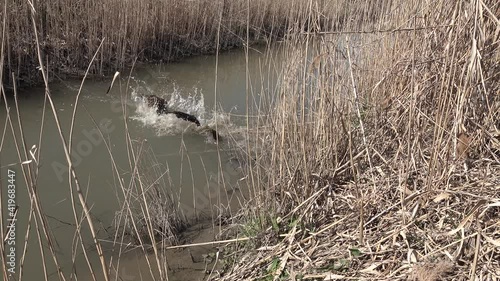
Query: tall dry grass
{"type": "Point", "coordinates": [151, 30]}
{"type": "Point", "coordinates": [381, 154]}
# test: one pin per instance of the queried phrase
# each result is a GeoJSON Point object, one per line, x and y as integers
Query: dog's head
{"type": "Point", "coordinates": [157, 103]}
{"type": "Point", "coordinates": [153, 101]}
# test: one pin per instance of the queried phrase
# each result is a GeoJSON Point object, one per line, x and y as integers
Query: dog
{"type": "Point", "coordinates": [161, 107]}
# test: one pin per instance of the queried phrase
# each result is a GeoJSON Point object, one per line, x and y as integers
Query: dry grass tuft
{"type": "Point", "coordinates": [149, 213]}
{"type": "Point", "coordinates": [431, 271]}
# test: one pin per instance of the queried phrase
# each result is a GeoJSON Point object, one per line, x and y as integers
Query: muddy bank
{"type": "Point", "coordinates": [187, 262]}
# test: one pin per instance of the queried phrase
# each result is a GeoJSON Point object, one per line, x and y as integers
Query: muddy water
{"type": "Point", "coordinates": [187, 151]}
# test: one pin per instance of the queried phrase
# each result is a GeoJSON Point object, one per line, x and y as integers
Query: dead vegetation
{"type": "Point", "coordinates": [431, 271]}
{"type": "Point", "coordinates": [70, 33]}
{"type": "Point", "coordinates": [149, 213]}
{"type": "Point", "coordinates": [380, 158]}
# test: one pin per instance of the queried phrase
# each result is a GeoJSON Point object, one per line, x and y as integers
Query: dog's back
{"type": "Point", "coordinates": [161, 107]}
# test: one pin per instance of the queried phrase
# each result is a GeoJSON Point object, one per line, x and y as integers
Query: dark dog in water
{"type": "Point", "coordinates": [162, 108]}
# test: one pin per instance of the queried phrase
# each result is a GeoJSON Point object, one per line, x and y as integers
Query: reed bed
{"type": "Point", "coordinates": [152, 30]}
{"type": "Point", "coordinates": [380, 157]}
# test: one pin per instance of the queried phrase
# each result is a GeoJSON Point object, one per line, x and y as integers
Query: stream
{"type": "Point", "coordinates": [193, 160]}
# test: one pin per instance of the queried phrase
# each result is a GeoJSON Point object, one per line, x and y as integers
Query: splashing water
{"type": "Point", "coordinates": [169, 124]}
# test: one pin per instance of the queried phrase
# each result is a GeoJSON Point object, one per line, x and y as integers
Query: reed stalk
{"type": "Point", "coordinates": [375, 105]}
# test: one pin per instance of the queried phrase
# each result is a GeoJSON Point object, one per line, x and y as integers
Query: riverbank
{"type": "Point", "coordinates": [379, 156]}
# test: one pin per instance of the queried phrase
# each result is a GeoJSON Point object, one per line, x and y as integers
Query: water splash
{"type": "Point", "coordinates": [168, 124]}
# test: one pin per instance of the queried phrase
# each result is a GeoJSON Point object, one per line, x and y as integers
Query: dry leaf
{"type": "Point", "coordinates": [441, 196]}
{"type": "Point", "coordinates": [411, 257]}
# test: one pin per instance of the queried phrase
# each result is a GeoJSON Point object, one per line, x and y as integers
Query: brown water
{"type": "Point", "coordinates": [188, 86]}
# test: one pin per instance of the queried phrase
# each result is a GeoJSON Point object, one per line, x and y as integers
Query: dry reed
{"type": "Point", "coordinates": [151, 30]}
{"type": "Point", "coordinates": [381, 152]}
